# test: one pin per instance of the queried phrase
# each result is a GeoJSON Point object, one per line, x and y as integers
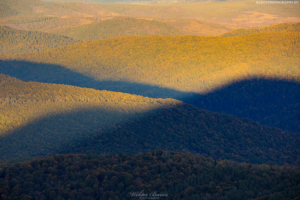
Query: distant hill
{"type": "Point", "coordinates": [196, 27]}
{"type": "Point", "coordinates": [41, 119]}
{"type": "Point", "coordinates": [175, 67]}
{"type": "Point", "coordinates": [285, 27]}
{"type": "Point", "coordinates": [20, 41]}
{"type": "Point", "coordinates": [81, 12]}
{"type": "Point", "coordinates": [125, 176]}
{"type": "Point", "coordinates": [98, 1]}
{"type": "Point", "coordinates": [119, 27]}
{"type": "Point", "coordinates": [15, 7]}
{"type": "Point", "coordinates": [29, 11]}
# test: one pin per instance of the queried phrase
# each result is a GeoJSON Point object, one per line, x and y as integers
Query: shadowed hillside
{"type": "Point", "coordinates": [261, 100]}
{"type": "Point", "coordinates": [51, 73]}
{"type": "Point", "coordinates": [287, 119]}
{"type": "Point", "coordinates": [177, 67]}
{"type": "Point", "coordinates": [19, 41]}
{"type": "Point", "coordinates": [269, 101]}
{"type": "Point", "coordinates": [44, 119]}
{"type": "Point", "coordinates": [93, 128]}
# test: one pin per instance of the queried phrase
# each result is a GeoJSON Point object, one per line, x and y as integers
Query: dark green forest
{"type": "Point", "coordinates": [118, 176]}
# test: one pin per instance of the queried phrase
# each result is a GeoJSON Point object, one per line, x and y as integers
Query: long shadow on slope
{"type": "Point", "coordinates": [178, 128]}
{"type": "Point", "coordinates": [50, 73]}
{"type": "Point", "coordinates": [261, 100]}
{"type": "Point", "coordinates": [256, 99]}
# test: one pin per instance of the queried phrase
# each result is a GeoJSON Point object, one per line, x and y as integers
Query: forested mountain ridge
{"type": "Point", "coordinates": [14, 41]}
{"type": "Point", "coordinates": [185, 63]}
{"type": "Point", "coordinates": [108, 100]}
{"type": "Point", "coordinates": [249, 68]}
{"type": "Point", "coordinates": [285, 27]}
{"type": "Point", "coordinates": [41, 119]}
{"type": "Point", "coordinates": [24, 102]}
{"type": "Point", "coordinates": [175, 175]}
{"type": "Point", "coordinates": [117, 27]}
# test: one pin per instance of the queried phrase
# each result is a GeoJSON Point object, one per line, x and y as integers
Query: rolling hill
{"type": "Point", "coordinates": [180, 67]}
{"type": "Point", "coordinates": [25, 102]}
{"type": "Point", "coordinates": [117, 27]}
{"type": "Point", "coordinates": [41, 119]}
{"type": "Point", "coordinates": [196, 26]}
{"type": "Point", "coordinates": [35, 8]}
{"type": "Point", "coordinates": [286, 27]}
{"type": "Point", "coordinates": [36, 15]}
{"type": "Point", "coordinates": [19, 41]}
{"type": "Point", "coordinates": [16, 7]}
{"type": "Point", "coordinates": [194, 18]}
{"type": "Point", "coordinates": [125, 176]}
{"type": "Point", "coordinates": [185, 63]}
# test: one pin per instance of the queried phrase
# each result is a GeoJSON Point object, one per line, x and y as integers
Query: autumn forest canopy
{"type": "Point", "coordinates": [190, 99]}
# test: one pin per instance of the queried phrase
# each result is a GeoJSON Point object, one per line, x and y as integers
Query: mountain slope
{"type": "Point", "coordinates": [19, 41]}
{"type": "Point", "coordinates": [117, 27]}
{"type": "Point", "coordinates": [184, 127]}
{"type": "Point", "coordinates": [185, 63]}
{"type": "Point", "coordinates": [41, 119]}
{"type": "Point", "coordinates": [270, 102]}
{"type": "Point", "coordinates": [23, 103]}
{"type": "Point", "coordinates": [286, 27]}
{"type": "Point", "coordinates": [287, 119]}
{"type": "Point", "coordinates": [178, 66]}
{"type": "Point", "coordinates": [196, 26]}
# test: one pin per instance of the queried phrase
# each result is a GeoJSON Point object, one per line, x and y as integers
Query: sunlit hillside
{"type": "Point", "coordinates": [48, 16]}
{"type": "Point", "coordinates": [26, 102]}
{"type": "Point", "coordinates": [19, 41]}
{"type": "Point", "coordinates": [189, 26]}
{"type": "Point", "coordinates": [286, 27]}
{"type": "Point", "coordinates": [194, 18]}
{"type": "Point", "coordinates": [119, 27]}
{"type": "Point", "coordinates": [184, 63]}
{"type": "Point", "coordinates": [37, 8]}
{"type": "Point", "coordinates": [246, 14]}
